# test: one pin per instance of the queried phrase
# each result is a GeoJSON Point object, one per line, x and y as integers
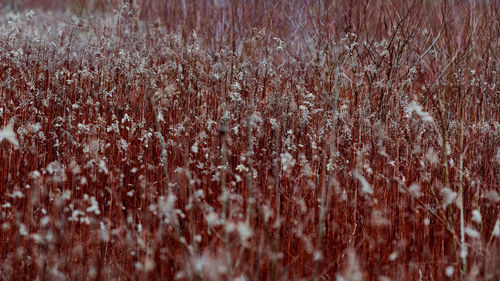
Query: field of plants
{"type": "Point", "coordinates": [250, 140]}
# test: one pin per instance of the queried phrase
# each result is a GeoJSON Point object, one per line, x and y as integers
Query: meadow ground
{"type": "Point", "coordinates": [249, 140]}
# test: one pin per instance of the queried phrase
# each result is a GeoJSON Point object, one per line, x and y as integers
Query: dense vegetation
{"type": "Point", "coordinates": [250, 140]}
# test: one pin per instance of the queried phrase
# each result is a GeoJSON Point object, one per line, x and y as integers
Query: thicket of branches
{"type": "Point", "coordinates": [249, 140]}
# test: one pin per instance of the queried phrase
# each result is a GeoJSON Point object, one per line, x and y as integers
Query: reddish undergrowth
{"type": "Point", "coordinates": [250, 140]}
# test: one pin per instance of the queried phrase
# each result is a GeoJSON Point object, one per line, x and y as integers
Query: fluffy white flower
{"type": "Point", "coordinates": [245, 231]}
{"type": "Point", "coordinates": [496, 229]}
{"type": "Point", "coordinates": [8, 133]}
{"type": "Point", "coordinates": [472, 232]}
{"type": "Point", "coordinates": [476, 216]}
{"type": "Point", "coordinates": [287, 161]}
{"type": "Point", "coordinates": [365, 186]}
{"type": "Point", "coordinates": [414, 190]}
{"type": "Point", "coordinates": [418, 109]}
{"type": "Point", "coordinates": [448, 196]}
{"type": "Point", "coordinates": [449, 270]}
